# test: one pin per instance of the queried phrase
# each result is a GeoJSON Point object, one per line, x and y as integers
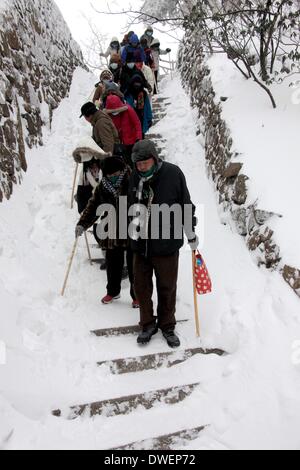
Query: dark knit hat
{"type": "Point", "coordinates": [130, 57]}
{"type": "Point", "coordinates": [88, 109]}
{"type": "Point", "coordinates": [112, 165]}
{"type": "Point", "coordinates": [111, 86]}
{"type": "Point", "coordinates": [144, 150]}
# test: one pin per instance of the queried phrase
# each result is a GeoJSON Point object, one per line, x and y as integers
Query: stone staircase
{"type": "Point", "coordinates": [166, 442]}
{"type": "Point", "coordinates": [149, 399]}
{"type": "Point", "coordinates": [127, 404]}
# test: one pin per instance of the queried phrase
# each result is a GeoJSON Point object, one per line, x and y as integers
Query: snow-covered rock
{"type": "Point", "coordinates": [233, 119]}
{"type": "Point", "coordinates": [37, 59]}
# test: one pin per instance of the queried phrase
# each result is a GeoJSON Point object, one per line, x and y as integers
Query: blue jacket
{"type": "Point", "coordinates": [137, 53]}
{"type": "Point", "coordinates": [148, 115]}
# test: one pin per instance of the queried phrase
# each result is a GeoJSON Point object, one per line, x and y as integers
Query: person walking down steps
{"type": "Point", "coordinates": [156, 53]}
{"type": "Point", "coordinates": [114, 184]}
{"type": "Point", "coordinates": [114, 48]}
{"type": "Point", "coordinates": [127, 123]}
{"type": "Point", "coordinates": [138, 98]}
{"type": "Point", "coordinates": [106, 75]}
{"type": "Point", "coordinates": [105, 133]}
{"type": "Point", "coordinates": [154, 182]}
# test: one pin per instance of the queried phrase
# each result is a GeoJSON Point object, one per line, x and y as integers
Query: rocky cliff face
{"type": "Point", "coordinates": [37, 59]}
{"type": "Point", "coordinates": [223, 165]}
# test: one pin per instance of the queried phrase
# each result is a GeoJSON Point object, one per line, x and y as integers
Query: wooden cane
{"type": "Point", "coordinates": [88, 248]}
{"type": "Point", "coordinates": [69, 267]}
{"type": "Point", "coordinates": [155, 81]}
{"type": "Point", "coordinates": [195, 296]}
{"type": "Point", "coordinates": [74, 183]}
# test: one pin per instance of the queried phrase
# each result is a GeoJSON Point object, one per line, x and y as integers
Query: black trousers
{"type": "Point", "coordinates": [115, 259]}
{"type": "Point", "coordinates": [165, 269]}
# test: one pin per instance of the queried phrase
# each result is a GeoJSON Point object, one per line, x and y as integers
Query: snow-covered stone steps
{"type": "Point", "coordinates": [95, 246]}
{"type": "Point", "coordinates": [161, 99]}
{"type": "Point", "coordinates": [158, 116]}
{"type": "Point", "coordinates": [155, 137]}
{"type": "Point", "coordinates": [128, 404]}
{"type": "Point", "coordinates": [155, 361]}
{"type": "Point", "coordinates": [167, 442]}
{"type": "Point", "coordinates": [123, 330]}
{"type": "Point", "coordinates": [159, 112]}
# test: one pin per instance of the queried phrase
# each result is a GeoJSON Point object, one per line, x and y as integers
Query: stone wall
{"type": "Point", "coordinates": [37, 59]}
{"type": "Point", "coordinates": [224, 167]}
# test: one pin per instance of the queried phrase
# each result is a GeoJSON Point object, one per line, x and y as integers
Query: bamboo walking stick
{"type": "Point", "coordinates": [69, 267]}
{"type": "Point", "coordinates": [195, 295]}
{"type": "Point", "coordinates": [74, 183]}
{"type": "Point", "coordinates": [88, 248]}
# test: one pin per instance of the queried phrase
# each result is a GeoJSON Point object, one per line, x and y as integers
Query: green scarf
{"type": "Point", "coordinates": [147, 174]}
{"type": "Point", "coordinates": [114, 180]}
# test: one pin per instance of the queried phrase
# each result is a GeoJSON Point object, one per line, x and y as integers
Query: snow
{"type": "Point", "coordinates": [249, 398]}
{"type": "Point", "coordinates": [50, 20]}
{"type": "Point", "coordinates": [268, 141]}
{"type": "Point", "coordinates": [3, 5]}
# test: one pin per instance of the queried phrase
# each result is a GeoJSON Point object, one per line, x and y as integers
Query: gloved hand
{"type": "Point", "coordinates": [194, 243]}
{"type": "Point", "coordinates": [79, 231]}
{"type": "Point", "coordinates": [150, 89]}
{"type": "Point", "coordinates": [169, 50]}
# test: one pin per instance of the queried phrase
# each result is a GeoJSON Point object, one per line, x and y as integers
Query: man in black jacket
{"type": "Point", "coordinates": [161, 198]}
{"type": "Point", "coordinates": [129, 70]}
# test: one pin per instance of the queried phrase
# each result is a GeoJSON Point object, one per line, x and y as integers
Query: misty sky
{"type": "Point", "coordinates": [74, 11]}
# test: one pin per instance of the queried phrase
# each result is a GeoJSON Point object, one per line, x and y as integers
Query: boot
{"type": "Point", "coordinates": [172, 339]}
{"type": "Point", "coordinates": [103, 266]}
{"type": "Point", "coordinates": [146, 335]}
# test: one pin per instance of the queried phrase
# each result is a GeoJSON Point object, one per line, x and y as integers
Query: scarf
{"type": "Point", "coordinates": [114, 189]}
{"type": "Point", "coordinates": [143, 180]}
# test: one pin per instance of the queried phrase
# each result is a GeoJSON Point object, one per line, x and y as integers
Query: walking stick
{"type": "Point", "coordinates": [195, 295]}
{"type": "Point", "coordinates": [155, 81]}
{"type": "Point", "coordinates": [69, 267]}
{"type": "Point", "coordinates": [88, 248]}
{"type": "Point", "coordinates": [74, 183]}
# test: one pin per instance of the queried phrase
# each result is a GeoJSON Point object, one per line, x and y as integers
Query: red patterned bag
{"type": "Point", "coordinates": [203, 281]}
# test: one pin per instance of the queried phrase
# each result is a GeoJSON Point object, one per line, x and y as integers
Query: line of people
{"type": "Point", "coordinates": [120, 116]}
{"type": "Point", "coordinates": [143, 53]}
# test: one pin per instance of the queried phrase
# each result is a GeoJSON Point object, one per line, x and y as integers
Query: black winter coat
{"type": "Point", "coordinates": [169, 187]}
{"type": "Point", "coordinates": [103, 196]}
{"type": "Point", "coordinates": [127, 75]}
